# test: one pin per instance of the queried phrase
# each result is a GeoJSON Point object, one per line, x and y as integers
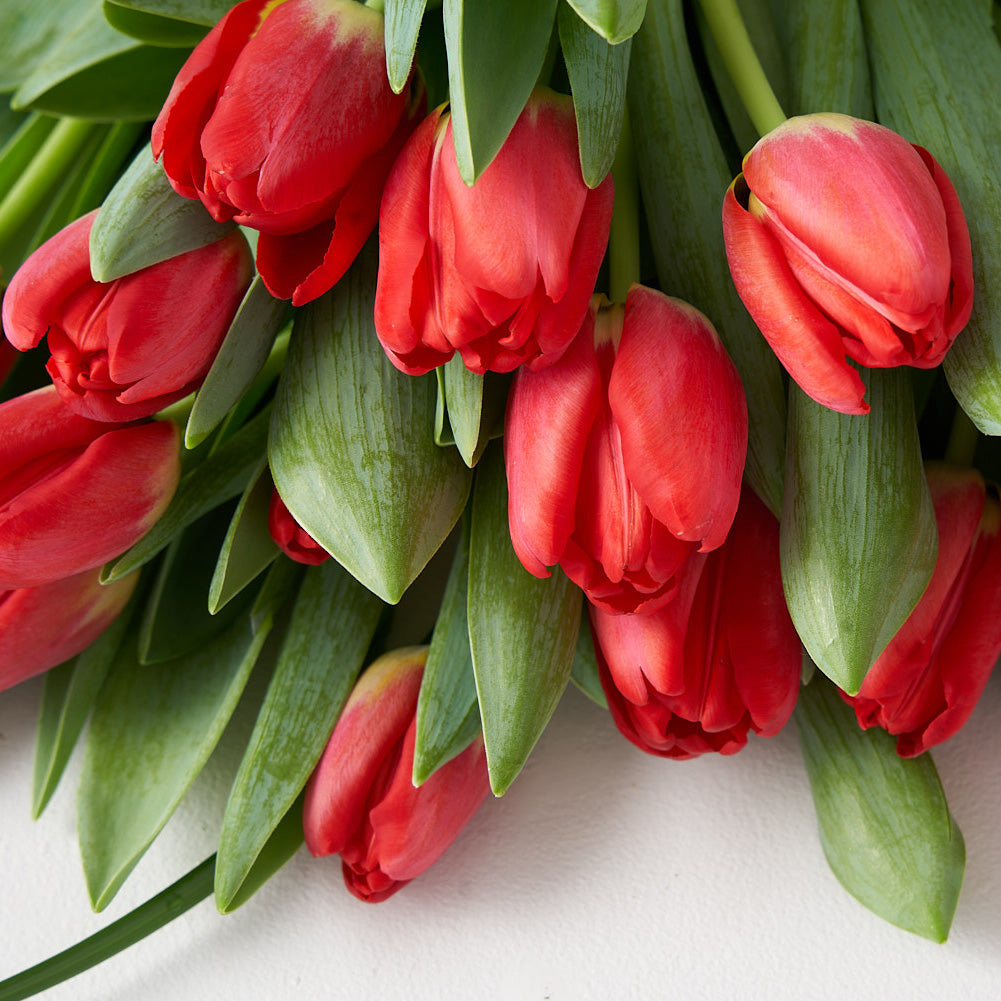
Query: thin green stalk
{"type": "Point", "coordinates": [963, 437]}
{"type": "Point", "coordinates": [624, 237]}
{"type": "Point", "coordinates": [742, 63]}
{"type": "Point", "coordinates": [45, 171]}
{"type": "Point", "coordinates": [145, 919]}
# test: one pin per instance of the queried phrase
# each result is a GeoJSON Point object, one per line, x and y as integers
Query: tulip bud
{"type": "Point", "coordinates": [723, 658]}
{"type": "Point", "coordinates": [41, 627]}
{"type": "Point", "coordinates": [74, 493]}
{"type": "Point", "coordinates": [283, 120]}
{"type": "Point", "coordinates": [125, 349]}
{"type": "Point", "coordinates": [845, 239]}
{"type": "Point", "coordinates": [924, 685]}
{"type": "Point", "coordinates": [361, 802]}
{"type": "Point", "coordinates": [502, 271]}
{"type": "Point", "coordinates": [290, 537]}
{"type": "Point", "coordinates": [625, 457]}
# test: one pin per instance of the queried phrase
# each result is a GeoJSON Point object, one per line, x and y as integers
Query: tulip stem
{"type": "Point", "coordinates": [47, 168]}
{"type": "Point", "coordinates": [145, 919]}
{"type": "Point", "coordinates": [963, 437]}
{"type": "Point", "coordinates": [730, 34]}
{"type": "Point", "coordinates": [624, 236]}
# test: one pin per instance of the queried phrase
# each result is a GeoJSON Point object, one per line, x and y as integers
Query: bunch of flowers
{"type": "Point", "coordinates": [317, 348]}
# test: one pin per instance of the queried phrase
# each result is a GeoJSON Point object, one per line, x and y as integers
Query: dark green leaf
{"type": "Point", "coordinates": [522, 632]}
{"type": "Point", "coordinates": [323, 652]}
{"type": "Point", "coordinates": [469, 409]}
{"type": "Point", "coordinates": [176, 620]}
{"type": "Point", "coordinates": [152, 28]}
{"type": "Point", "coordinates": [448, 716]}
{"type": "Point", "coordinates": [585, 667]}
{"type": "Point", "coordinates": [144, 221]}
{"type": "Point", "coordinates": [858, 529]}
{"type": "Point", "coordinates": [152, 731]}
{"type": "Point", "coordinates": [884, 821]}
{"type": "Point", "coordinates": [241, 358]}
{"type": "Point", "coordinates": [219, 478]}
{"type": "Point", "coordinates": [94, 72]}
{"type": "Point", "coordinates": [403, 25]}
{"type": "Point", "coordinates": [351, 444]}
{"type": "Point", "coordinates": [614, 20]}
{"type": "Point", "coordinates": [206, 12]}
{"type": "Point", "coordinates": [105, 167]}
{"type": "Point", "coordinates": [672, 130]}
{"type": "Point", "coordinates": [496, 49]}
{"type": "Point", "coordinates": [280, 584]}
{"type": "Point", "coordinates": [936, 70]}
{"type": "Point", "coordinates": [598, 73]}
{"type": "Point", "coordinates": [20, 147]}
{"type": "Point", "coordinates": [67, 698]}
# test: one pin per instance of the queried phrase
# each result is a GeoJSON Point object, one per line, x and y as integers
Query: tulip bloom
{"type": "Point", "coordinates": [125, 349]}
{"type": "Point", "coordinates": [361, 802]}
{"type": "Point", "coordinates": [75, 493]}
{"type": "Point", "coordinates": [283, 120]}
{"type": "Point", "coordinates": [722, 659]}
{"type": "Point", "coordinates": [625, 457]}
{"type": "Point", "coordinates": [845, 239]}
{"type": "Point", "coordinates": [502, 271]}
{"type": "Point", "coordinates": [290, 537]}
{"type": "Point", "coordinates": [41, 627]}
{"type": "Point", "coordinates": [926, 682]}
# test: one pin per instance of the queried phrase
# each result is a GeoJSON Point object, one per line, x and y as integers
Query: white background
{"type": "Point", "coordinates": [603, 874]}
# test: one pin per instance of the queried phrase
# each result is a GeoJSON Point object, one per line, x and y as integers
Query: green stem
{"type": "Point", "coordinates": [163, 908]}
{"type": "Point", "coordinates": [624, 237]}
{"type": "Point", "coordinates": [963, 437]}
{"type": "Point", "coordinates": [45, 171]}
{"type": "Point", "coordinates": [742, 63]}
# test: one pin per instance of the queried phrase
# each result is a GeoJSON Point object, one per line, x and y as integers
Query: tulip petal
{"type": "Point", "coordinates": [549, 418]}
{"type": "Point", "coordinates": [679, 406]}
{"type": "Point", "coordinates": [807, 344]}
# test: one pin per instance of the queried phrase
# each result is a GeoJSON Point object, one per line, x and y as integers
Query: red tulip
{"type": "Point", "coordinates": [927, 681]}
{"type": "Point", "coordinates": [502, 271]}
{"type": "Point", "coordinates": [74, 493]}
{"type": "Point", "coordinates": [625, 457]}
{"type": "Point", "coordinates": [283, 119]}
{"type": "Point", "coordinates": [41, 627]}
{"type": "Point", "coordinates": [360, 801]}
{"type": "Point", "coordinates": [290, 537]}
{"type": "Point", "coordinates": [125, 349]}
{"type": "Point", "coordinates": [845, 239]}
{"type": "Point", "coordinates": [722, 659]}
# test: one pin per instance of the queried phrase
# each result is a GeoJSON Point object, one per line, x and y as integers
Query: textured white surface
{"type": "Point", "coordinates": [603, 873]}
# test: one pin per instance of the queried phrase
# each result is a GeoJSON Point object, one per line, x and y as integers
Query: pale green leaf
{"type": "Point", "coordinates": [614, 20]}
{"type": "Point", "coordinates": [403, 25]}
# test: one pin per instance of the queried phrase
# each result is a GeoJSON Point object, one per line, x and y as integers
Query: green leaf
{"type": "Point", "coordinates": [469, 408]}
{"type": "Point", "coordinates": [248, 548]}
{"type": "Point", "coordinates": [403, 25]}
{"type": "Point", "coordinates": [884, 822]}
{"type": "Point", "coordinates": [30, 31]}
{"type": "Point", "coordinates": [585, 667]}
{"type": "Point", "coordinates": [152, 28]}
{"type": "Point", "coordinates": [242, 355]}
{"type": "Point", "coordinates": [94, 72]}
{"type": "Point", "coordinates": [936, 69]}
{"type": "Point", "coordinates": [68, 695]}
{"type": "Point", "coordinates": [672, 131]}
{"type": "Point", "coordinates": [20, 147]}
{"type": "Point", "coordinates": [177, 620]}
{"type": "Point", "coordinates": [219, 478]}
{"type": "Point", "coordinates": [280, 584]}
{"type": "Point", "coordinates": [197, 11]}
{"type": "Point", "coordinates": [351, 444]}
{"type": "Point", "coordinates": [598, 73]}
{"type": "Point", "coordinates": [323, 652]}
{"type": "Point", "coordinates": [151, 734]}
{"type": "Point", "coordinates": [448, 716]}
{"type": "Point", "coordinates": [858, 535]}
{"type": "Point", "coordinates": [522, 632]}
{"type": "Point", "coordinates": [614, 20]}
{"type": "Point", "coordinates": [144, 221]}
{"type": "Point", "coordinates": [496, 50]}
{"type": "Point", "coordinates": [105, 167]}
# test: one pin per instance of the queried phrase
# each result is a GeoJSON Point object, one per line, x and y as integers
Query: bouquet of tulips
{"type": "Point", "coordinates": [421, 359]}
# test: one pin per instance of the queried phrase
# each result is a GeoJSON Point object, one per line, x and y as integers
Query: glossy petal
{"type": "Point", "coordinates": [43, 626]}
